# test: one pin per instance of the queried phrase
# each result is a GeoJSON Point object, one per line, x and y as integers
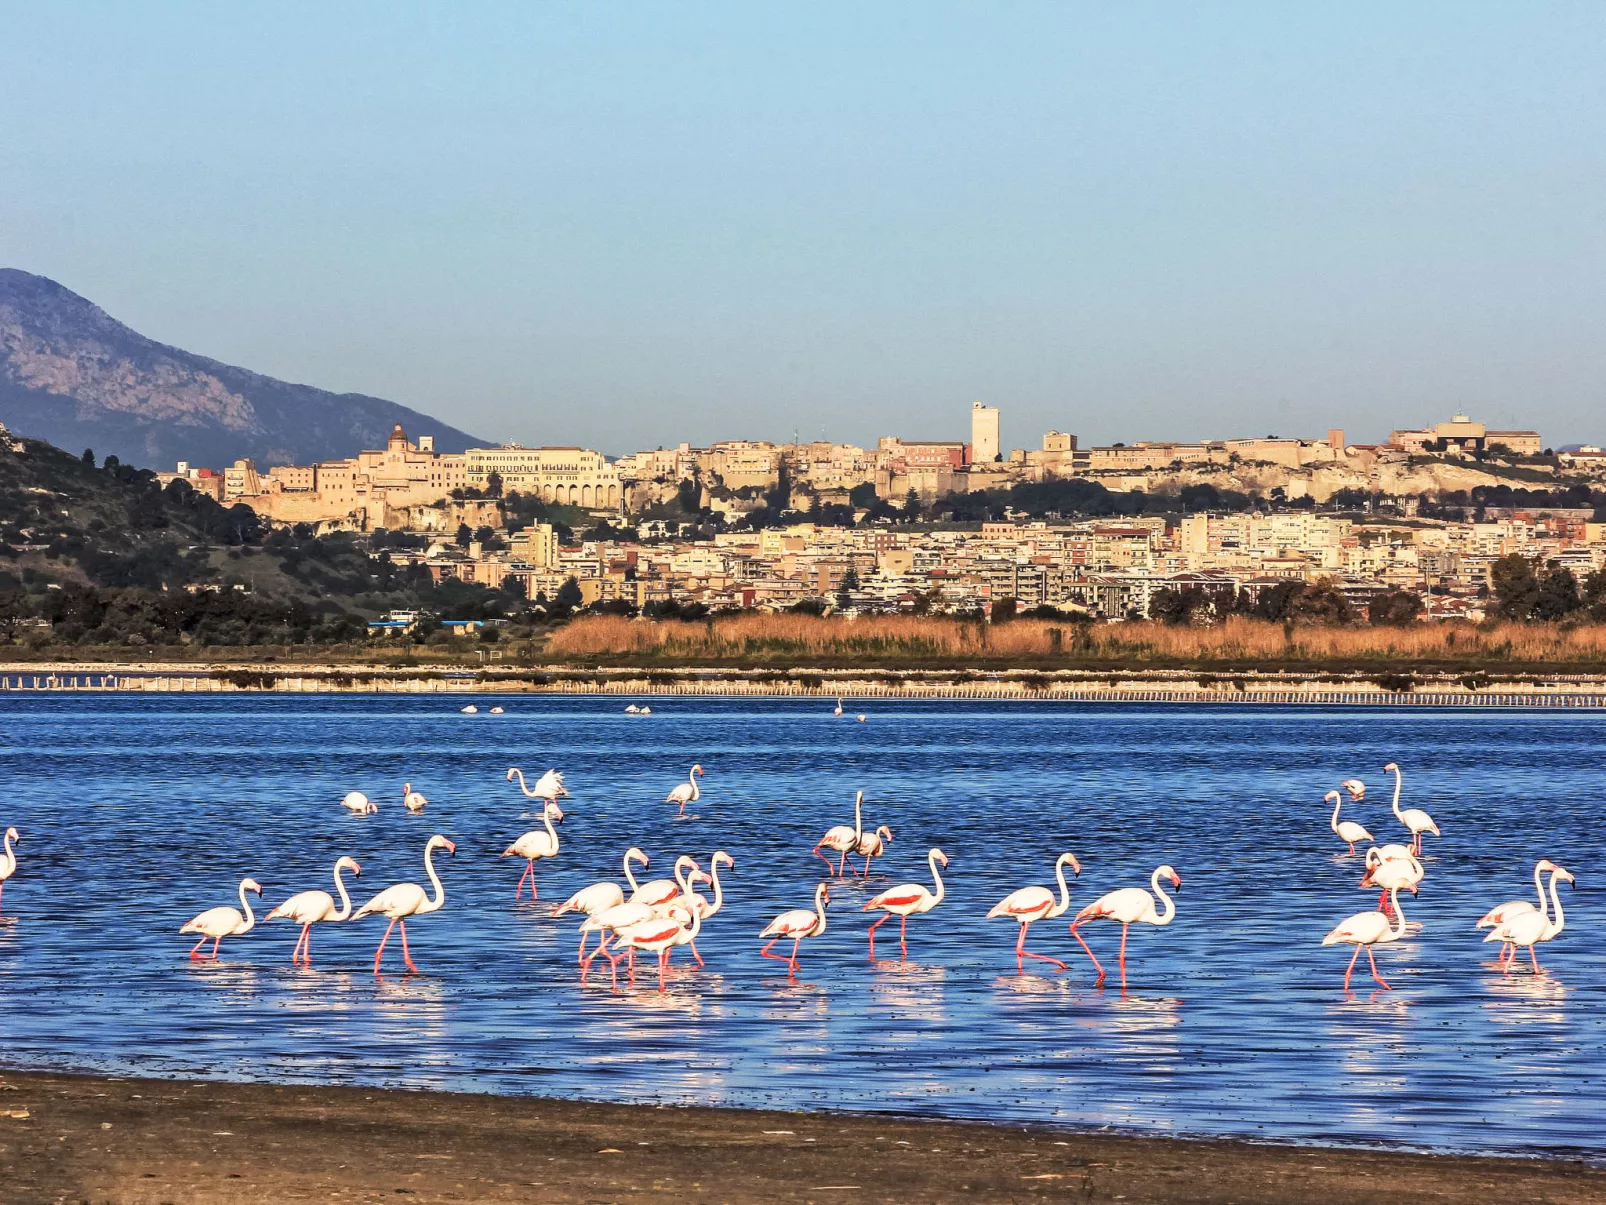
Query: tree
{"type": "Point", "coordinates": [911, 505]}
{"type": "Point", "coordinates": [493, 484]}
{"type": "Point", "coordinates": [862, 496]}
{"type": "Point", "coordinates": [1182, 607]}
{"type": "Point", "coordinates": [569, 597]}
{"type": "Point", "coordinates": [1594, 595]}
{"type": "Point", "coordinates": [1558, 595]}
{"type": "Point", "coordinates": [89, 458]}
{"type": "Point", "coordinates": [465, 537]}
{"type": "Point", "coordinates": [845, 589]}
{"type": "Point", "coordinates": [1515, 587]}
{"type": "Point", "coordinates": [1320, 602]}
{"type": "Point", "coordinates": [1395, 608]}
{"type": "Point", "coordinates": [1004, 609]}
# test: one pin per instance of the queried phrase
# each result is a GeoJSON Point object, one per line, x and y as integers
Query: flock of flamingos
{"type": "Point", "coordinates": [660, 915]}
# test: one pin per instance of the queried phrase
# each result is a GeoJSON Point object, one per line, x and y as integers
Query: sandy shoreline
{"type": "Point", "coordinates": [93, 1138]}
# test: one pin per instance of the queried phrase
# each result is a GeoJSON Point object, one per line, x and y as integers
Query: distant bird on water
{"type": "Point", "coordinates": [1347, 830]}
{"type": "Point", "coordinates": [686, 792]}
{"type": "Point", "coordinates": [356, 801]}
{"type": "Point", "coordinates": [8, 858]}
{"type": "Point", "coordinates": [1415, 819]}
{"type": "Point", "coordinates": [412, 800]}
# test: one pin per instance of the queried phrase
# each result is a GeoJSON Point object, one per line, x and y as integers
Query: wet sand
{"type": "Point", "coordinates": [92, 1139]}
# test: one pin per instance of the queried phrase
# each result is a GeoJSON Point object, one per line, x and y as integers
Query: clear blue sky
{"type": "Point", "coordinates": [628, 224]}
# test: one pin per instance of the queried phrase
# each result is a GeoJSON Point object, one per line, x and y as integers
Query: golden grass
{"type": "Point", "coordinates": [774, 638]}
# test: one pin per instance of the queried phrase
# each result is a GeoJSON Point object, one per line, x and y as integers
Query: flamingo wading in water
{"type": "Point", "coordinates": [358, 803]}
{"type": "Point", "coordinates": [217, 923]}
{"type": "Point", "coordinates": [797, 924]}
{"type": "Point", "coordinates": [307, 908]}
{"type": "Point", "coordinates": [8, 857]}
{"type": "Point", "coordinates": [1384, 873]}
{"type": "Point", "coordinates": [408, 899]}
{"type": "Point", "coordinates": [1511, 909]}
{"type": "Point", "coordinates": [872, 845]}
{"type": "Point", "coordinates": [1130, 906]}
{"type": "Point", "coordinates": [536, 843]}
{"type": "Point", "coordinates": [1415, 819]}
{"type": "Point", "coordinates": [1037, 903]}
{"type": "Point", "coordinates": [412, 800]}
{"type": "Point", "coordinates": [841, 838]}
{"type": "Point", "coordinates": [1365, 930]}
{"type": "Point", "coordinates": [599, 897]}
{"type": "Point", "coordinates": [686, 792]}
{"type": "Point", "coordinates": [1347, 830]}
{"type": "Point", "coordinates": [906, 900]}
{"type": "Point", "coordinates": [549, 786]}
{"type": "Point", "coordinates": [1530, 928]}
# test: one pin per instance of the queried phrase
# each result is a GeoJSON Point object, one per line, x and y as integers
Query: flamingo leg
{"type": "Point", "coordinates": [1350, 970]}
{"type": "Point", "coordinates": [533, 895]}
{"type": "Point", "coordinates": [380, 953]}
{"type": "Point", "coordinates": [695, 954]}
{"type": "Point", "coordinates": [406, 954]}
{"type": "Point", "coordinates": [529, 873]}
{"type": "Point", "coordinates": [885, 917]}
{"type": "Point", "coordinates": [582, 947]}
{"type": "Point", "coordinates": [216, 941]}
{"type": "Point", "coordinates": [903, 936]}
{"type": "Point", "coordinates": [1089, 950]}
{"type": "Point", "coordinates": [1122, 958]}
{"type": "Point", "coordinates": [792, 961]}
{"type": "Point", "coordinates": [1352, 849]}
{"type": "Point", "coordinates": [1533, 953]}
{"type": "Point", "coordinates": [827, 862]}
{"type": "Point", "coordinates": [196, 947]}
{"type": "Point", "coordinates": [765, 952]}
{"type": "Point", "coordinates": [867, 858]}
{"type": "Point", "coordinates": [306, 946]}
{"type": "Point", "coordinates": [1021, 952]}
{"type": "Point", "coordinates": [1373, 960]}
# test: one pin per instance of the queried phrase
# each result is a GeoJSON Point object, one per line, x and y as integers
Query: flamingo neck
{"type": "Point", "coordinates": [1338, 802]}
{"type": "Point", "coordinates": [519, 774]}
{"type": "Point", "coordinates": [680, 876]}
{"type": "Point", "coordinates": [1397, 930]}
{"type": "Point", "coordinates": [696, 924]}
{"type": "Point", "coordinates": [931, 861]}
{"type": "Point", "coordinates": [251, 919]}
{"type": "Point", "coordinates": [345, 900]}
{"type": "Point", "coordinates": [439, 898]}
{"type": "Point", "coordinates": [1539, 887]}
{"type": "Point", "coordinates": [1170, 909]}
{"type": "Point", "coordinates": [1398, 779]}
{"type": "Point", "coordinates": [1556, 926]}
{"type": "Point", "coordinates": [546, 818]}
{"type": "Point", "coordinates": [819, 910]}
{"type": "Point", "coordinates": [1064, 904]}
{"type": "Point", "coordinates": [8, 859]}
{"type": "Point", "coordinates": [629, 877]}
{"type": "Point", "coordinates": [719, 892]}
{"type": "Point", "coordinates": [858, 818]}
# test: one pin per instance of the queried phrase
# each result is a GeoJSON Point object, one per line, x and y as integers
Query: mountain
{"type": "Point", "coordinates": [73, 375]}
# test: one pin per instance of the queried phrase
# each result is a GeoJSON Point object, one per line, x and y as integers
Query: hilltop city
{"type": "Point", "coordinates": [935, 526]}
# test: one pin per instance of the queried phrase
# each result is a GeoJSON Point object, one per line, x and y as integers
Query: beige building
{"type": "Point", "coordinates": [984, 445]}
{"type": "Point", "coordinates": [569, 475]}
{"type": "Point", "coordinates": [1462, 434]}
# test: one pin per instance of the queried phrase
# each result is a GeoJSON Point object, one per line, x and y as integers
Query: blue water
{"type": "Point", "coordinates": [137, 813]}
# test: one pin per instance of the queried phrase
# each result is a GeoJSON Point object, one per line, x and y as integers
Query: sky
{"type": "Point", "coordinates": [626, 225]}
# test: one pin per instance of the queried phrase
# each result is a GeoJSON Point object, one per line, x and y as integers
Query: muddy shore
{"type": "Point", "coordinates": [92, 1139]}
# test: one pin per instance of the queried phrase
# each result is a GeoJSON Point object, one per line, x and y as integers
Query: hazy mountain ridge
{"type": "Point", "coordinates": [73, 375]}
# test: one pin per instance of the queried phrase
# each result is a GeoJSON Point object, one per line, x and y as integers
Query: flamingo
{"type": "Point", "coordinates": [632, 709]}
{"type": "Point", "coordinates": [307, 908]}
{"type": "Point", "coordinates": [1368, 929]}
{"type": "Point", "coordinates": [661, 892]}
{"type": "Point", "coordinates": [645, 711]}
{"type": "Point", "coordinates": [470, 710]}
{"type": "Point", "coordinates": [549, 786]}
{"type": "Point", "coordinates": [873, 845]}
{"type": "Point", "coordinates": [1386, 873]}
{"type": "Point", "coordinates": [860, 717]}
{"type": "Point", "coordinates": [838, 710]}
{"type": "Point", "coordinates": [408, 899]}
{"type": "Point", "coordinates": [1415, 819]}
{"type": "Point", "coordinates": [662, 934]}
{"type": "Point", "coordinates": [218, 923]}
{"type": "Point", "coordinates": [610, 922]}
{"type": "Point", "coordinates": [599, 897]}
{"type": "Point", "coordinates": [357, 802]}
{"type": "Point", "coordinates": [1498, 916]}
{"type": "Point", "coordinates": [1037, 903]}
{"type": "Point", "coordinates": [1347, 830]}
{"type": "Point", "coordinates": [687, 791]}
{"type": "Point", "coordinates": [412, 800]}
{"type": "Point", "coordinates": [8, 857]}
{"type": "Point", "coordinates": [700, 903]}
{"type": "Point", "coordinates": [906, 900]}
{"type": "Point", "coordinates": [1131, 906]}
{"type": "Point", "coordinates": [498, 711]}
{"type": "Point", "coordinates": [797, 924]}
{"type": "Point", "coordinates": [841, 838]}
{"type": "Point", "coordinates": [536, 844]}
{"type": "Point", "coordinates": [1356, 789]}
{"type": "Point", "coordinates": [1530, 928]}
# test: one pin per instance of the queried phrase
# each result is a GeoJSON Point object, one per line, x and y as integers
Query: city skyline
{"type": "Point", "coordinates": [557, 224]}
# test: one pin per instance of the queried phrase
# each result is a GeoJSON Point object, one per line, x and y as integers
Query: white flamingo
{"type": "Point", "coordinates": [686, 792]}
{"type": "Point", "coordinates": [1365, 930]}
{"type": "Point", "coordinates": [8, 858]}
{"type": "Point", "coordinates": [412, 800]}
{"type": "Point", "coordinates": [1129, 906]}
{"type": "Point", "coordinates": [1030, 904]}
{"type": "Point", "coordinates": [408, 899]}
{"type": "Point", "coordinates": [498, 711]}
{"type": "Point", "coordinates": [1528, 929]}
{"type": "Point", "coordinates": [842, 838]}
{"type": "Point", "coordinates": [307, 908]}
{"type": "Point", "coordinates": [699, 903]}
{"type": "Point", "coordinates": [906, 900]}
{"type": "Point", "coordinates": [632, 709]}
{"type": "Point", "coordinates": [660, 935]}
{"type": "Point", "coordinates": [872, 845]}
{"type": "Point", "coordinates": [1415, 819]}
{"type": "Point", "coordinates": [610, 922]}
{"type": "Point", "coordinates": [599, 897]}
{"type": "Point", "coordinates": [658, 893]}
{"type": "Point", "coordinates": [838, 710]}
{"type": "Point", "coordinates": [1347, 830]}
{"type": "Point", "coordinates": [645, 711]}
{"type": "Point", "coordinates": [1388, 874]}
{"type": "Point", "coordinates": [357, 802]}
{"type": "Point", "coordinates": [549, 786]}
{"type": "Point", "coordinates": [217, 923]}
{"type": "Point", "coordinates": [797, 924]}
{"type": "Point", "coordinates": [537, 843]}
{"type": "Point", "coordinates": [470, 710]}
{"type": "Point", "coordinates": [1511, 909]}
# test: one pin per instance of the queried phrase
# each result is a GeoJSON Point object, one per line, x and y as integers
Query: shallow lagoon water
{"type": "Point", "coordinates": [138, 812]}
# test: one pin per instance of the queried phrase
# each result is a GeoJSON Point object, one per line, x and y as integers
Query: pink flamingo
{"type": "Point", "coordinates": [1414, 819]}
{"type": "Point", "coordinates": [307, 908]}
{"type": "Point", "coordinates": [535, 844]}
{"type": "Point", "coordinates": [1130, 906]}
{"type": "Point", "coordinates": [1368, 929]}
{"type": "Point", "coordinates": [1347, 830]}
{"type": "Point", "coordinates": [797, 924]}
{"type": "Point", "coordinates": [1384, 873]}
{"type": "Point", "coordinates": [549, 786]}
{"type": "Point", "coordinates": [218, 923]}
{"type": "Point", "coordinates": [872, 845]}
{"type": "Point", "coordinates": [841, 838]}
{"type": "Point", "coordinates": [1037, 903]}
{"type": "Point", "coordinates": [659, 892]}
{"type": "Point", "coordinates": [408, 899]}
{"type": "Point", "coordinates": [8, 858]}
{"type": "Point", "coordinates": [599, 897]}
{"type": "Point", "coordinates": [906, 900]}
{"type": "Point", "coordinates": [687, 791]}
{"type": "Point", "coordinates": [1511, 909]}
{"type": "Point", "coordinates": [662, 934]}
{"type": "Point", "coordinates": [1530, 928]}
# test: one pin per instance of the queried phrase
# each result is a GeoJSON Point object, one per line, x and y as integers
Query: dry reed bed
{"type": "Point", "coordinates": [769, 637]}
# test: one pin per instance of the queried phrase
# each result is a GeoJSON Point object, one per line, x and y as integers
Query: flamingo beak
{"type": "Point", "coordinates": [451, 847]}
{"type": "Point", "coordinates": [356, 867]}
{"type": "Point", "coordinates": [1076, 868]}
{"type": "Point", "coordinates": [1176, 881]}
